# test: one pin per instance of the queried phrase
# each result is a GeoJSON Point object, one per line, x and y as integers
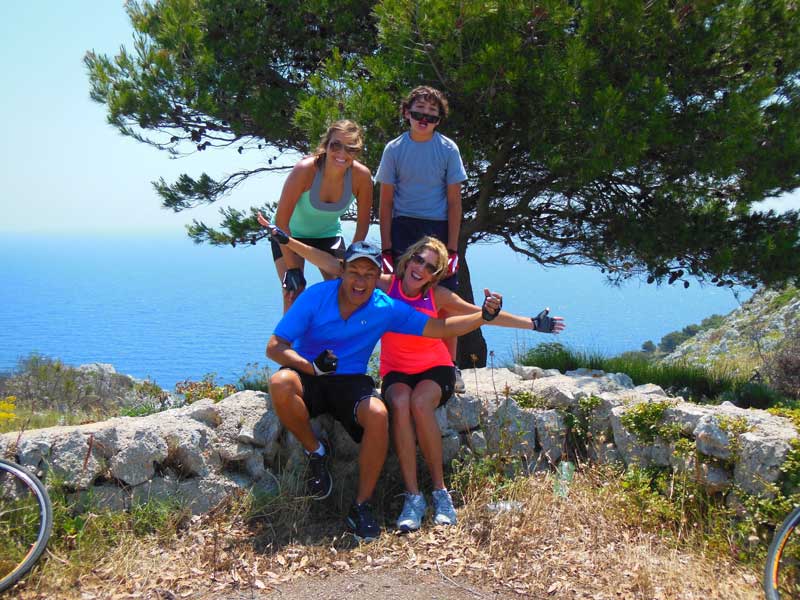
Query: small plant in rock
{"type": "Point", "coordinates": [645, 421]}
{"type": "Point", "coordinates": [527, 399]}
{"type": "Point", "coordinates": [254, 378]}
{"type": "Point", "coordinates": [207, 387]}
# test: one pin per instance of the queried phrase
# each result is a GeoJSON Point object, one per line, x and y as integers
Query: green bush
{"type": "Point", "coordinates": [698, 383]}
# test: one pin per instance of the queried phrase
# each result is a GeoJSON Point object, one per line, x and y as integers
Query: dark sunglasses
{"type": "Point", "coordinates": [418, 260]}
{"type": "Point", "coordinates": [424, 117]}
{"type": "Point", "coordinates": [336, 145]}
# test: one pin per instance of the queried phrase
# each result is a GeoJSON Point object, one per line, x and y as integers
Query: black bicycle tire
{"type": "Point", "coordinates": [45, 525]}
{"type": "Point", "coordinates": [772, 568]}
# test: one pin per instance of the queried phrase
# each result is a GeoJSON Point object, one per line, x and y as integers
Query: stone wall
{"type": "Point", "coordinates": [198, 454]}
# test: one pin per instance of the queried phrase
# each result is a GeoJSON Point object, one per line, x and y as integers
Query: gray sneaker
{"type": "Point", "coordinates": [459, 387]}
{"type": "Point", "coordinates": [444, 513]}
{"type": "Point", "coordinates": [413, 512]}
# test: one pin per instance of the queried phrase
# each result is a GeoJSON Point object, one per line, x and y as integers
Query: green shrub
{"type": "Point", "coordinates": [696, 382]}
{"type": "Point", "coordinates": [783, 367]}
{"type": "Point", "coordinates": [207, 387]}
{"type": "Point", "coordinates": [254, 378]}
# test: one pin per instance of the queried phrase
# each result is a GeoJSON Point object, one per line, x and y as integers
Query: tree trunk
{"type": "Point", "coordinates": [471, 347]}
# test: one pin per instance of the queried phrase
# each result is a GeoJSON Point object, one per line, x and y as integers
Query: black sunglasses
{"type": "Point", "coordinates": [432, 269]}
{"type": "Point", "coordinates": [424, 117]}
{"type": "Point", "coordinates": [336, 145]}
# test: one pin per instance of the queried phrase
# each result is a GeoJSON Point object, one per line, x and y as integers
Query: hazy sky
{"type": "Point", "coordinates": [64, 169]}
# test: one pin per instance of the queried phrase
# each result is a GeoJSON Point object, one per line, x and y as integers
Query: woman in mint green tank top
{"type": "Point", "coordinates": [318, 191]}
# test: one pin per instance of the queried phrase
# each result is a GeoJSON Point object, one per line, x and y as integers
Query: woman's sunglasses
{"type": "Point", "coordinates": [336, 145]}
{"type": "Point", "coordinates": [424, 117]}
{"type": "Point", "coordinates": [418, 260]}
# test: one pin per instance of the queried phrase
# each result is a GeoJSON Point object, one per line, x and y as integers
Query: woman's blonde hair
{"type": "Point", "coordinates": [426, 243]}
{"type": "Point", "coordinates": [350, 130]}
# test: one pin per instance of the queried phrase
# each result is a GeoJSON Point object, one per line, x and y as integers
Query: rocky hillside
{"type": "Point", "coordinates": [748, 334]}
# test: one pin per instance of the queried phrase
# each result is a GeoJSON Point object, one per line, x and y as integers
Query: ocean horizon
{"type": "Point", "coordinates": [158, 306]}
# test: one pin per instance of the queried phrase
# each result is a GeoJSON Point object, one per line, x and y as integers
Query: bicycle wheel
{"type": "Point", "coordinates": [782, 571]}
{"type": "Point", "coordinates": [26, 521]}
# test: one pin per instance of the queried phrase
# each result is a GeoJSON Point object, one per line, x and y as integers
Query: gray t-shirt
{"type": "Point", "coordinates": [420, 173]}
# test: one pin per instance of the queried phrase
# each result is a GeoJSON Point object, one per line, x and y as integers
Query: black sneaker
{"type": "Point", "coordinates": [320, 482]}
{"type": "Point", "coordinates": [363, 524]}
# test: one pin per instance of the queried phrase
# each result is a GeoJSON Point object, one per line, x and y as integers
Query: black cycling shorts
{"type": "Point", "coordinates": [444, 377]}
{"type": "Point", "coordinates": [332, 245]}
{"type": "Point", "coordinates": [339, 396]}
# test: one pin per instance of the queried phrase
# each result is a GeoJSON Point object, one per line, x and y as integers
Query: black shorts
{"type": "Point", "coordinates": [409, 230]}
{"type": "Point", "coordinates": [337, 395]}
{"type": "Point", "coordinates": [444, 377]}
{"type": "Point", "coordinates": [332, 245]}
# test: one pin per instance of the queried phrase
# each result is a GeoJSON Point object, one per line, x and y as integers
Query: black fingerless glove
{"type": "Point", "coordinates": [486, 314]}
{"type": "Point", "coordinates": [325, 363]}
{"type": "Point", "coordinates": [278, 234]}
{"type": "Point", "coordinates": [543, 323]}
{"type": "Point", "coordinates": [293, 280]}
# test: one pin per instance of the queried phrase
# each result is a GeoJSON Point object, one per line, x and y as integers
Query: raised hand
{"type": "Point", "coordinates": [275, 232]}
{"type": "Point", "coordinates": [492, 304]}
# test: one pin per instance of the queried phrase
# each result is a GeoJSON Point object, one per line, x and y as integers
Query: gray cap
{"type": "Point", "coordinates": [363, 250]}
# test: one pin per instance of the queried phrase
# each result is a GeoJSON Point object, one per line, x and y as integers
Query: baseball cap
{"type": "Point", "coordinates": [363, 250]}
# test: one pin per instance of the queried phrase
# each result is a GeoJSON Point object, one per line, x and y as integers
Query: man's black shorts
{"type": "Point", "coordinates": [409, 230]}
{"type": "Point", "coordinates": [332, 245]}
{"type": "Point", "coordinates": [337, 395]}
{"type": "Point", "coordinates": [444, 377]}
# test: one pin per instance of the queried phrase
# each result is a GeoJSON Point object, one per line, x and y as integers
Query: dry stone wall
{"type": "Point", "coordinates": [201, 453]}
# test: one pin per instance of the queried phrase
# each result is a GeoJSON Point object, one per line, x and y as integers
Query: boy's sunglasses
{"type": "Point", "coordinates": [418, 260]}
{"type": "Point", "coordinates": [424, 117]}
{"type": "Point", "coordinates": [336, 145]}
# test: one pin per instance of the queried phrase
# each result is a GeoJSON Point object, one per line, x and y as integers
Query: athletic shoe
{"type": "Point", "coordinates": [363, 524]}
{"type": "Point", "coordinates": [444, 513]}
{"type": "Point", "coordinates": [459, 387]}
{"type": "Point", "coordinates": [412, 514]}
{"type": "Point", "coordinates": [319, 483]}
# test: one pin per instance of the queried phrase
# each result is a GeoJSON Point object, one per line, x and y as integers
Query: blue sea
{"type": "Point", "coordinates": [161, 307]}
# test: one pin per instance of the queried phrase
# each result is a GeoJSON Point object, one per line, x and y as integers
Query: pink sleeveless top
{"type": "Point", "coordinates": [412, 353]}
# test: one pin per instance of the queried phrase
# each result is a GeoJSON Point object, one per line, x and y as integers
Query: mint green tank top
{"type": "Point", "coordinates": [313, 218]}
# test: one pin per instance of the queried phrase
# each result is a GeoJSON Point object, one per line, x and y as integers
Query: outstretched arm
{"type": "Point", "coordinates": [315, 256]}
{"type": "Point", "coordinates": [462, 324]}
{"type": "Point", "coordinates": [318, 258]}
{"type": "Point", "coordinates": [455, 305]}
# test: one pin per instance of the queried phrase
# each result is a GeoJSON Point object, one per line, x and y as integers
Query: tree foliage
{"type": "Point", "coordinates": [632, 136]}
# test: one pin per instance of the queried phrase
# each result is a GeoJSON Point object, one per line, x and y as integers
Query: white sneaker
{"type": "Point", "coordinates": [444, 512]}
{"type": "Point", "coordinates": [412, 514]}
{"type": "Point", "coordinates": [459, 387]}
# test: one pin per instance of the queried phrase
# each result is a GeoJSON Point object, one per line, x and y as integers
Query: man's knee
{"type": "Point", "coordinates": [372, 414]}
{"type": "Point", "coordinates": [284, 386]}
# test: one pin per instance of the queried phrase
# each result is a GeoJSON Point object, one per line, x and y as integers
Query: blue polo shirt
{"type": "Point", "coordinates": [313, 324]}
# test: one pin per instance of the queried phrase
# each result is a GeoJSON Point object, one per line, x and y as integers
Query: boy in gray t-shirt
{"type": "Point", "coordinates": [421, 173]}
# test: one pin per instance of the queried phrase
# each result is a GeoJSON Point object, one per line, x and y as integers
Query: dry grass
{"type": "Point", "coordinates": [584, 546]}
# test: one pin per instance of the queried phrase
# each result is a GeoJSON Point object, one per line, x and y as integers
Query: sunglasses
{"type": "Point", "coordinates": [424, 117]}
{"type": "Point", "coordinates": [336, 145]}
{"type": "Point", "coordinates": [418, 260]}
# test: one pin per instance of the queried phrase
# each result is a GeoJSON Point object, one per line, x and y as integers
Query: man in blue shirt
{"type": "Point", "coordinates": [323, 344]}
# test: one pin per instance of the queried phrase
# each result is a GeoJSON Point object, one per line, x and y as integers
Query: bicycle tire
{"type": "Point", "coordinates": [20, 491]}
{"type": "Point", "coordinates": [774, 570]}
